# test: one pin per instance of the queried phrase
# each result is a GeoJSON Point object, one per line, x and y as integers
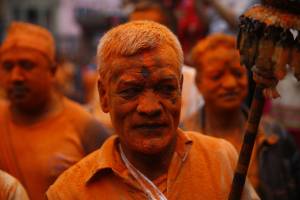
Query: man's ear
{"type": "Point", "coordinates": [103, 96]}
{"type": "Point", "coordinates": [53, 68]}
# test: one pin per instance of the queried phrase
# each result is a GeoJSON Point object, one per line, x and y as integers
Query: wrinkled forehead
{"type": "Point", "coordinates": [219, 56]}
{"type": "Point", "coordinates": [152, 59]}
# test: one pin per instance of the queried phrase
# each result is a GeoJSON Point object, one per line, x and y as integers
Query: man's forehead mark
{"type": "Point", "coordinates": [145, 72]}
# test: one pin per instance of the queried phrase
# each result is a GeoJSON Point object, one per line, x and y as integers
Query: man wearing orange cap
{"type": "Point", "coordinates": [42, 133]}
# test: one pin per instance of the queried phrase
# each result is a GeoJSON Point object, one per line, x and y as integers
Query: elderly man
{"type": "Point", "coordinates": [150, 158]}
{"type": "Point", "coordinates": [42, 133]}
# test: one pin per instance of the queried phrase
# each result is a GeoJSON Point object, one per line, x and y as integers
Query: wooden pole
{"type": "Point", "coordinates": [248, 144]}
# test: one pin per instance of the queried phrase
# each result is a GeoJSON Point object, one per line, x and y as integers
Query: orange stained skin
{"type": "Point", "coordinates": [26, 77]}
{"type": "Point", "coordinates": [222, 80]}
{"type": "Point", "coordinates": [155, 15]}
{"type": "Point", "coordinates": [144, 100]}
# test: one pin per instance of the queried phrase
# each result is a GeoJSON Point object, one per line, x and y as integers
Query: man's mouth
{"type": "Point", "coordinates": [150, 126]}
{"type": "Point", "coordinates": [229, 95]}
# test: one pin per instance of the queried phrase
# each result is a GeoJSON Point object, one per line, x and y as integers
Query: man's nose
{"type": "Point", "coordinates": [229, 81]}
{"type": "Point", "coordinates": [17, 74]}
{"type": "Point", "coordinates": [149, 105]}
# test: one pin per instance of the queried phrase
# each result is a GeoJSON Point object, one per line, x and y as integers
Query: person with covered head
{"type": "Point", "coordinates": [222, 80]}
{"type": "Point", "coordinates": [42, 133]}
{"type": "Point", "coordinates": [140, 86]}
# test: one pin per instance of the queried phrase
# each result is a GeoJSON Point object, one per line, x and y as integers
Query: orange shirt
{"type": "Point", "coordinates": [194, 123]}
{"type": "Point", "coordinates": [201, 168]}
{"type": "Point", "coordinates": [36, 154]}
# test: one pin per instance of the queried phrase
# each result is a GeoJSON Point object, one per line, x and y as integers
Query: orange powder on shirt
{"type": "Point", "coordinates": [201, 168]}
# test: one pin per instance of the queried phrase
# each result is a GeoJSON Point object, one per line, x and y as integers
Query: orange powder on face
{"type": "Point", "coordinates": [220, 56]}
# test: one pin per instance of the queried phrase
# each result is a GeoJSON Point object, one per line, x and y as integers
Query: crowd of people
{"type": "Point", "coordinates": [158, 121]}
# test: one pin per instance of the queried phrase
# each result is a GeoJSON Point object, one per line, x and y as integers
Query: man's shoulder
{"type": "Point", "coordinates": [73, 179]}
{"type": "Point", "coordinates": [212, 146]}
{"type": "Point", "coordinates": [74, 109]}
{"type": "Point", "coordinates": [207, 141]}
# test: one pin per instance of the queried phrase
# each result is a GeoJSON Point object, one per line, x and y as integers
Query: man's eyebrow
{"type": "Point", "coordinates": [128, 82]}
{"type": "Point", "coordinates": [168, 78]}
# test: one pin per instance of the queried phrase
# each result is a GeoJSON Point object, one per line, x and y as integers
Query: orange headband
{"type": "Point", "coordinates": [26, 35]}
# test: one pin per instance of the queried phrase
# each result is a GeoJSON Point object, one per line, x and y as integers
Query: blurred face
{"type": "Point", "coordinates": [26, 77]}
{"type": "Point", "coordinates": [222, 80]}
{"type": "Point", "coordinates": [144, 99]}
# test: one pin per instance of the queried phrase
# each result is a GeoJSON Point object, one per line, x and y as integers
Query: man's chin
{"type": "Point", "coordinates": [230, 105]}
{"type": "Point", "coordinates": [152, 146]}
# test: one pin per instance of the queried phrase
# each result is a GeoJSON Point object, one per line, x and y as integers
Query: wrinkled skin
{"type": "Point", "coordinates": [143, 97]}
{"type": "Point", "coordinates": [222, 80]}
{"type": "Point", "coordinates": [27, 78]}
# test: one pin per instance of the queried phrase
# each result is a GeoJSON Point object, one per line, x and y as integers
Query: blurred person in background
{"type": "Point", "coordinates": [11, 188]}
{"type": "Point", "coordinates": [286, 109]}
{"type": "Point", "coordinates": [65, 75]}
{"type": "Point", "coordinates": [275, 165]}
{"type": "Point", "coordinates": [91, 103]}
{"type": "Point", "coordinates": [42, 132]}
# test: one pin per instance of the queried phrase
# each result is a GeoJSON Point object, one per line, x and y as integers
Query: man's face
{"type": "Point", "coordinates": [144, 99]}
{"type": "Point", "coordinates": [26, 77]}
{"type": "Point", "coordinates": [222, 80]}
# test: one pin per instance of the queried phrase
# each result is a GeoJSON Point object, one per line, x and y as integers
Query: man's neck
{"type": "Point", "coordinates": [43, 111]}
{"type": "Point", "coordinates": [152, 166]}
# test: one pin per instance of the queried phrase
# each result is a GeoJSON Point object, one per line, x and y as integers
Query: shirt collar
{"type": "Point", "coordinates": [108, 157]}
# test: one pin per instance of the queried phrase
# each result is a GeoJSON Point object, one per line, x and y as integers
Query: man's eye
{"type": "Point", "coordinates": [167, 89]}
{"type": "Point", "coordinates": [216, 76]}
{"type": "Point", "coordinates": [27, 65]}
{"type": "Point", "coordinates": [238, 73]}
{"type": "Point", "coordinates": [7, 66]}
{"type": "Point", "coordinates": [130, 92]}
